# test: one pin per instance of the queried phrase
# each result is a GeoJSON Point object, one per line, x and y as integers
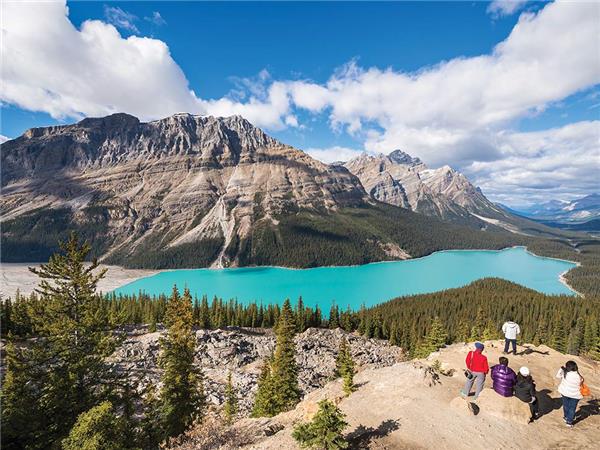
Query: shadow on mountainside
{"type": "Point", "coordinates": [590, 408]}
{"type": "Point", "coordinates": [363, 436]}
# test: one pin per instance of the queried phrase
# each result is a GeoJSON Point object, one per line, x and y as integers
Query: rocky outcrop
{"type": "Point", "coordinates": [401, 180]}
{"type": "Point", "coordinates": [416, 405]}
{"type": "Point", "coordinates": [242, 352]}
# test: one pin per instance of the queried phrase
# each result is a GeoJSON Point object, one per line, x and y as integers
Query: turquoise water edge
{"type": "Point", "coordinates": [369, 284]}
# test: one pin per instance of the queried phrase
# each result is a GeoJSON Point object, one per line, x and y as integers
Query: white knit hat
{"type": "Point", "coordinates": [524, 371]}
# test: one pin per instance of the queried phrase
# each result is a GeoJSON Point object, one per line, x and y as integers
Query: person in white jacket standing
{"type": "Point", "coordinates": [570, 389]}
{"type": "Point", "coordinates": [511, 330]}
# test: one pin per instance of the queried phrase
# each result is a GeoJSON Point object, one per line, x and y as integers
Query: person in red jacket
{"type": "Point", "coordinates": [477, 364]}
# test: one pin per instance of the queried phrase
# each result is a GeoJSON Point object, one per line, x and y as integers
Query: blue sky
{"type": "Point", "coordinates": [304, 71]}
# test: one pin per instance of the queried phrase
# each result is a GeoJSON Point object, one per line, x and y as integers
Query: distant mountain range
{"type": "Point", "coordinates": [191, 191]}
{"type": "Point", "coordinates": [580, 214]}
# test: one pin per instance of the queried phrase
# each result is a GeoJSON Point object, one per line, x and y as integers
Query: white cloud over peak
{"type": "Point", "coordinates": [51, 66]}
{"type": "Point", "coordinates": [460, 112]}
{"type": "Point", "coordinates": [334, 154]}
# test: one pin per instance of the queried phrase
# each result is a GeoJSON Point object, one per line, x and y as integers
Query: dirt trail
{"type": "Point", "coordinates": [405, 406]}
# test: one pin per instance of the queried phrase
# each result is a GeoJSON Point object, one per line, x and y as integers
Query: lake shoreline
{"type": "Point", "coordinates": [118, 276]}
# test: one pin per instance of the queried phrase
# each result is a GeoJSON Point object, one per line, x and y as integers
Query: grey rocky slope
{"type": "Point", "coordinates": [401, 180]}
{"type": "Point", "coordinates": [242, 352]}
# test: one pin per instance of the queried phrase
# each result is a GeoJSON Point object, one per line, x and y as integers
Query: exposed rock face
{"type": "Point", "coordinates": [404, 181]}
{"type": "Point", "coordinates": [242, 353]}
{"type": "Point", "coordinates": [175, 181]}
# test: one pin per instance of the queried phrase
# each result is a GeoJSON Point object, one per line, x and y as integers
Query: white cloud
{"type": "Point", "coordinates": [120, 19]}
{"type": "Point", "coordinates": [333, 154]}
{"type": "Point", "coordinates": [500, 8]}
{"type": "Point", "coordinates": [3, 138]}
{"type": "Point", "coordinates": [535, 166]}
{"type": "Point", "coordinates": [458, 112]}
{"type": "Point", "coordinates": [156, 19]}
{"type": "Point", "coordinates": [51, 66]}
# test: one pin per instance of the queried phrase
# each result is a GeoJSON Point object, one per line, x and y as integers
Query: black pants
{"type": "Point", "coordinates": [514, 345]}
{"type": "Point", "coordinates": [534, 408]}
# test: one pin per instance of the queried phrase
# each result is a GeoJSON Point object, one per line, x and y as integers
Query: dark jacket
{"type": "Point", "coordinates": [503, 380]}
{"type": "Point", "coordinates": [525, 389]}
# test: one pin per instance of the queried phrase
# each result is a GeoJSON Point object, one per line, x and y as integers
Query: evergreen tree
{"type": "Point", "coordinates": [541, 333]}
{"type": "Point", "coordinates": [264, 406]}
{"type": "Point", "coordinates": [334, 317]}
{"type": "Point", "coordinates": [97, 429]}
{"type": "Point", "coordinates": [433, 340]}
{"type": "Point", "coordinates": [182, 396]}
{"type": "Point", "coordinates": [325, 429]}
{"type": "Point", "coordinates": [463, 332]}
{"type": "Point", "coordinates": [300, 316]}
{"type": "Point", "coordinates": [478, 326]}
{"type": "Point", "coordinates": [594, 352]}
{"type": "Point", "coordinates": [345, 367]}
{"type": "Point", "coordinates": [230, 408]}
{"type": "Point", "coordinates": [575, 341]}
{"type": "Point", "coordinates": [65, 365]}
{"type": "Point", "coordinates": [559, 339]}
{"type": "Point", "coordinates": [22, 421]}
{"type": "Point", "coordinates": [394, 338]}
{"type": "Point", "coordinates": [490, 332]}
{"type": "Point", "coordinates": [590, 333]}
{"type": "Point", "coordinates": [284, 368]}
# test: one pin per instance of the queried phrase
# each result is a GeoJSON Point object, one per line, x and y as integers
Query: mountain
{"type": "Point", "coordinates": [191, 191]}
{"type": "Point", "coordinates": [577, 211]}
{"type": "Point", "coordinates": [401, 180]}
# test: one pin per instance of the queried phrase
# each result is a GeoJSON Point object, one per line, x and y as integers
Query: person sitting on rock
{"type": "Point", "coordinates": [503, 378]}
{"type": "Point", "coordinates": [525, 391]}
{"type": "Point", "coordinates": [477, 364]}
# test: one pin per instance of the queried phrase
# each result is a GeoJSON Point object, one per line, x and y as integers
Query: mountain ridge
{"type": "Point", "coordinates": [193, 191]}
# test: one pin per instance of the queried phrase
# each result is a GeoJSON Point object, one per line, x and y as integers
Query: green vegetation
{"type": "Point", "coordinates": [325, 429]}
{"type": "Point", "coordinates": [345, 367]}
{"type": "Point", "coordinates": [230, 409]}
{"type": "Point", "coordinates": [278, 389]}
{"type": "Point", "coordinates": [464, 314]}
{"type": "Point", "coordinates": [34, 236]}
{"type": "Point", "coordinates": [433, 340]}
{"type": "Point", "coordinates": [62, 373]}
{"type": "Point", "coordinates": [182, 395]}
{"type": "Point", "coordinates": [98, 428]}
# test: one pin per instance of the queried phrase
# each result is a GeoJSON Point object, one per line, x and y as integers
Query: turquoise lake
{"type": "Point", "coordinates": [369, 284]}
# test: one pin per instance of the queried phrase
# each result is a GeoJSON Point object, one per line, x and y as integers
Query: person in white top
{"type": "Point", "coordinates": [570, 389]}
{"type": "Point", "coordinates": [511, 330]}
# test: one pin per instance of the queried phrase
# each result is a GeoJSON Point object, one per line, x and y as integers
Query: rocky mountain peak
{"type": "Point", "coordinates": [402, 180]}
{"type": "Point", "coordinates": [400, 157]}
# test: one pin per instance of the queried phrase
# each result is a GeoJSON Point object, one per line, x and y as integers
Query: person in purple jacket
{"type": "Point", "coordinates": [503, 378]}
